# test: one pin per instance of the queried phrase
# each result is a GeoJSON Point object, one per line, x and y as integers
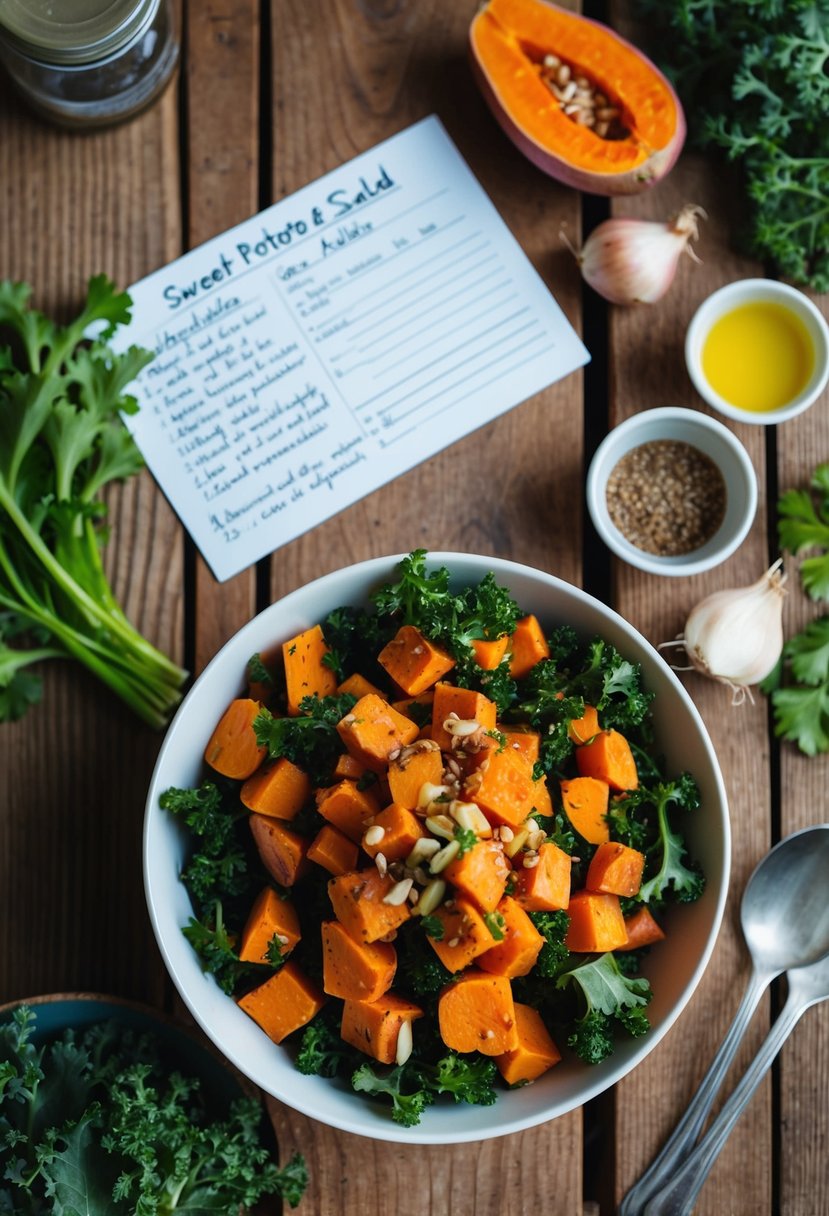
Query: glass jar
{"type": "Point", "coordinates": [88, 63]}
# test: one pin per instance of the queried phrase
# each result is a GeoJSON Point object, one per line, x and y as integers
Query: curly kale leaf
{"type": "Point", "coordinates": [407, 1107]}
{"type": "Point", "coordinates": [640, 819]}
{"type": "Point", "coordinates": [554, 954]}
{"type": "Point", "coordinates": [309, 740]}
{"type": "Point", "coordinates": [609, 999]}
{"type": "Point", "coordinates": [468, 1078]}
{"type": "Point", "coordinates": [803, 523]}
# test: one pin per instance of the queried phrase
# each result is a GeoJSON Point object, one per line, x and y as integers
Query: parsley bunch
{"type": "Point", "coordinates": [752, 77]}
{"type": "Point", "coordinates": [96, 1123]}
{"type": "Point", "coordinates": [61, 441]}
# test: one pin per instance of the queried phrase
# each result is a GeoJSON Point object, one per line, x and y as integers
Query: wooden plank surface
{"type": "Point", "coordinates": [343, 75]}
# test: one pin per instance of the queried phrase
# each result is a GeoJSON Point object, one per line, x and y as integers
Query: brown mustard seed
{"type": "Point", "coordinates": [666, 497]}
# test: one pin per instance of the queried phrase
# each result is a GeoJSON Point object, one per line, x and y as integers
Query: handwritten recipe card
{"type": "Point", "coordinates": [333, 341]}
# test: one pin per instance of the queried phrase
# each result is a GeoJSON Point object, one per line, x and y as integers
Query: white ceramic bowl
{"type": "Point", "coordinates": [708, 436]}
{"type": "Point", "coordinates": [746, 291]}
{"type": "Point", "coordinates": [674, 966]}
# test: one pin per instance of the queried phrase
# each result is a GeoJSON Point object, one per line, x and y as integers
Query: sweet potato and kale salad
{"type": "Point", "coordinates": [434, 843]}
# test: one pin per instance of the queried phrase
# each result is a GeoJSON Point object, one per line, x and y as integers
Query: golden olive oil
{"type": "Point", "coordinates": [759, 356]}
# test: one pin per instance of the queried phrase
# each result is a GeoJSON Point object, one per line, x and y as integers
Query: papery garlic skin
{"type": "Point", "coordinates": [736, 636]}
{"type": "Point", "coordinates": [630, 261]}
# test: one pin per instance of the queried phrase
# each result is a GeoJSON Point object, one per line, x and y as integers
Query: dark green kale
{"type": "Point", "coordinates": [554, 954]}
{"type": "Point", "coordinates": [98, 1121]}
{"type": "Point", "coordinates": [403, 1085]}
{"type": "Point", "coordinates": [354, 638]}
{"type": "Point", "coordinates": [322, 1052]}
{"type": "Point", "coordinates": [468, 1078]}
{"type": "Point", "coordinates": [608, 1000]}
{"type": "Point", "coordinates": [309, 740]}
{"type": "Point", "coordinates": [639, 818]}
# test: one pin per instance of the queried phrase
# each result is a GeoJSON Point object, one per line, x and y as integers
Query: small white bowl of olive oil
{"type": "Point", "coordinates": [758, 351]}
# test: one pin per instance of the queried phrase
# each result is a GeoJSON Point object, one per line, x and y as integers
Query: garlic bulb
{"type": "Point", "coordinates": [629, 261]}
{"type": "Point", "coordinates": [736, 636]}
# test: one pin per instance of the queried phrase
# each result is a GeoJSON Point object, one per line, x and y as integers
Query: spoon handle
{"type": "Point", "coordinates": [678, 1197]}
{"type": "Point", "coordinates": [685, 1134]}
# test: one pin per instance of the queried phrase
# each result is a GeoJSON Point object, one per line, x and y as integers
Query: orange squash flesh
{"type": "Point", "coordinates": [508, 41]}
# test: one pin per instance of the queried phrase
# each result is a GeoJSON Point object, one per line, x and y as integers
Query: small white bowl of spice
{"type": "Point", "coordinates": [671, 491]}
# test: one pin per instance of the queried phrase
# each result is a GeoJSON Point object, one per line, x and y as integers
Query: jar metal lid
{"type": "Point", "coordinates": [72, 31]}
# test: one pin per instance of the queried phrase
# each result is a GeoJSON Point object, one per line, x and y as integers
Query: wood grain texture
{"type": "Point", "coordinates": [222, 87]}
{"type": "Point", "coordinates": [73, 775]}
{"type": "Point", "coordinates": [512, 489]}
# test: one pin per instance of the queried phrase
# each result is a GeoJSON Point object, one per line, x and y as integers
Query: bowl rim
{"type": "Point", "coordinates": [742, 487]}
{"type": "Point", "coordinates": [372, 572]}
{"type": "Point", "coordinates": [746, 290]}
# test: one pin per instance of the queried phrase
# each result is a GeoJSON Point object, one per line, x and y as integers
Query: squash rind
{"type": "Point", "coordinates": [559, 147]}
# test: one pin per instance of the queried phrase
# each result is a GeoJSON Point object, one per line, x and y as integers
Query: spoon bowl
{"type": "Point", "coordinates": [784, 912]}
{"type": "Point", "coordinates": [785, 920]}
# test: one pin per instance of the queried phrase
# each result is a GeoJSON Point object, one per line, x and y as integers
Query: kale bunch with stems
{"type": "Point", "coordinates": [62, 441]}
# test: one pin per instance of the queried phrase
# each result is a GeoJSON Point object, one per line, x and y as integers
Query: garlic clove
{"type": "Point", "coordinates": [736, 635]}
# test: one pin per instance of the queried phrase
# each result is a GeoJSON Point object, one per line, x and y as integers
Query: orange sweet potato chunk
{"type": "Point", "coordinates": [585, 801]}
{"type": "Point", "coordinates": [269, 915]}
{"type": "Point", "coordinates": [582, 730]}
{"type": "Point", "coordinates": [517, 953]}
{"type": "Point", "coordinates": [306, 672]}
{"type": "Point", "coordinates": [615, 869]}
{"type": "Point", "coordinates": [355, 971]}
{"type": "Point", "coordinates": [400, 831]}
{"type": "Point", "coordinates": [232, 749]}
{"type": "Point", "coordinates": [417, 765]}
{"type": "Point", "coordinates": [536, 1052]}
{"type": "Point", "coordinates": [608, 757]}
{"type": "Point", "coordinates": [374, 1026]}
{"type": "Point", "coordinates": [358, 686]}
{"type": "Point", "coordinates": [283, 1003]}
{"type": "Point", "coordinates": [596, 923]}
{"type": "Point", "coordinates": [413, 662]}
{"type": "Point", "coordinates": [544, 887]}
{"type": "Point", "coordinates": [489, 653]}
{"type": "Point", "coordinates": [465, 935]}
{"type": "Point", "coordinates": [333, 851]}
{"type": "Point", "coordinates": [480, 874]}
{"type": "Point", "coordinates": [522, 739]}
{"type": "Point", "coordinates": [463, 703]}
{"type": "Point", "coordinates": [477, 1013]}
{"type": "Point", "coordinates": [280, 790]}
{"type": "Point", "coordinates": [357, 900]}
{"type": "Point", "coordinates": [503, 787]}
{"type": "Point", "coordinates": [642, 930]}
{"type": "Point", "coordinates": [281, 850]}
{"type": "Point", "coordinates": [372, 730]}
{"type": "Point", "coordinates": [348, 807]}
{"type": "Point", "coordinates": [528, 646]}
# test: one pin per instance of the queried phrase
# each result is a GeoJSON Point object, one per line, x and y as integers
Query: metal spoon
{"type": "Point", "coordinates": [785, 920]}
{"type": "Point", "coordinates": [807, 986]}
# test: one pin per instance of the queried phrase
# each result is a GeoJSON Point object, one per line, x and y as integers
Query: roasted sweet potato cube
{"type": "Point", "coordinates": [489, 652]}
{"type": "Point", "coordinates": [465, 935]}
{"type": "Point", "coordinates": [348, 807]}
{"type": "Point", "coordinates": [585, 801]}
{"type": "Point", "coordinates": [517, 953]}
{"type": "Point", "coordinates": [480, 874]}
{"type": "Point", "coordinates": [280, 790]}
{"type": "Point", "coordinates": [503, 787]}
{"type": "Point", "coordinates": [400, 831]}
{"type": "Point", "coordinates": [306, 672]}
{"type": "Point", "coordinates": [413, 662]}
{"type": "Point", "coordinates": [333, 851]}
{"type": "Point", "coordinates": [535, 1053]}
{"type": "Point", "coordinates": [358, 902]}
{"type": "Point", "coordinates": [355, 971]}
{"type": "Point", "coordinates": [642, 930]}
{"type": "Point", "coordinates": [372, 730]}
{"type": "Point", "coordinates": [545, 886]}
{"type": "Point", "coordinates": [417, 765]}
{"type": "Point", "coordinates": [607, 757]}
{"type": "Point", "coordinates": [463, 703]}
{"type": "Point", "coordinates": [283, 1003]}
{"type": "Point", "coordinates": [281, 850]}
{"type": "Point", "coordinates": [374, 1026]}
{"type": "Point", "coordinates": [582, 730]}
{"type": "Point", "coordinates": [596, 923]}
{"type": "Point", "coordinates": [528, 646]}
{"type": "Point", "coordinates": [522, 739]}
{"type": "Point", "coordinates": [615, 869]}
{"type": "Point", "coordinates": [270, 916]}
{"type": "Point", "coordinates": [477, 1013]}
{"type": "Point", "coordinates": [232, 749]}
{"type": "Point", "coordinates": [358, 686]}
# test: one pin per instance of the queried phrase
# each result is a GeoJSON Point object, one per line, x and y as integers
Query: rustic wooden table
{"type": "Point", "coordinates": [269, 97]}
